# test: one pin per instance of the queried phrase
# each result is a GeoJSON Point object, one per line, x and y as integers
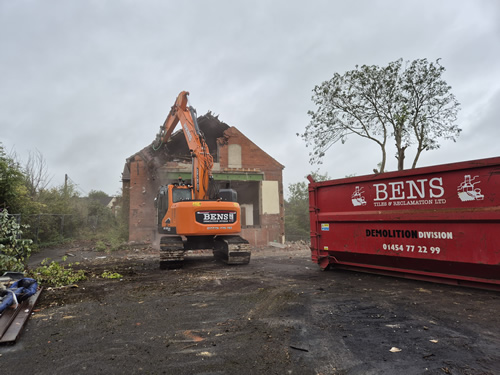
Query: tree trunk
{"type": "Point", "coordinates": [419, 151]}
{"type": "Point", "coordinates": [401, 158]}
{"type": "Point", "coordinates": [384, 157]}
{"type": "Point", "coordinates": [400, 149]}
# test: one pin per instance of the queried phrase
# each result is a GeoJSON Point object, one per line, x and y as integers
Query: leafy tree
{"type": "Point", "coordinates": [97, 209]}
{"type": "Point", "coordinates": [297, 209]}
{"type": "Point", "coordinates": [297, 212]}
{"type": "Point", "coordinates": [410, 103]}
{"type": "Point", "coordinates": [97, 194]}
{"type": "Point", "coordinates": [61, 214]}
{"type": "Point", "coordinates": [14, 251]}
{"type": "Point", "coordinates": [13, 192]}
{"type": "Point", "coordinates": [53, 214]}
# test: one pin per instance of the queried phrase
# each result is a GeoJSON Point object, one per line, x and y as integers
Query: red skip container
{"type": "Point", "coordinates": [439, 223]}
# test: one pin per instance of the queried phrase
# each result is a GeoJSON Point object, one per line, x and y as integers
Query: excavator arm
{"type": "Point", "coordinates": [202, 161]}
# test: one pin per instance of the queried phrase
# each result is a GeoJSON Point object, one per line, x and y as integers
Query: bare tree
{"type": "Point", "coordinates": [412, 104]}
{"type": "Point", "coordinates": [36, 173]}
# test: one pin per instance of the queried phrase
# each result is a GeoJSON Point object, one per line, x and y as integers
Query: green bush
{"type": "Point", "coordinates": [54, 214]}
{"type": "Point", "coordinates": [14, 251]}
{"type": "Point", "coordinates": [100, 246]}
{"type": "Point", "coordinates": [56, 274]}
{"type": "Point", "coordinates": [111, 275]}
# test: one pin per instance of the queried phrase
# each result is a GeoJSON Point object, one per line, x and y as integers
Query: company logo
{"type": "Point", "coordinates": [401, 190]}
{"type": "Point", "coordinates": [357, 198]}
{"type": "Point", "coordinates": [216, 217]}
{"type": "Point", "coordinates": [467, 192]}
{"type": "Point", "coordinates": [188, 133]}
{"type": "Point", "coordinates": [423, 191]}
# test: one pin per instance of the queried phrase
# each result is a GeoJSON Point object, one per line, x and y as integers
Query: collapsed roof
{"type": "Point", "coordinates": [176, 148]}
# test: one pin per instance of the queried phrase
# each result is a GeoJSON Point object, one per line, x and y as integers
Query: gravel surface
{"type": "Point", "coordinates": [277, 315]}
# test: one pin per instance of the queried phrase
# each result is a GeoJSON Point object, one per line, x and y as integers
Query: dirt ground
{"type": "Point", "coordinates": [277, 315]}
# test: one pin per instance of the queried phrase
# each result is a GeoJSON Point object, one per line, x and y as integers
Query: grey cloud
{"type": "Point", "coordinates": [89, 83]}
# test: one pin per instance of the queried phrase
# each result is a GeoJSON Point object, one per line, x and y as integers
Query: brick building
{"type": "Point", "coordinates": [238, 163]}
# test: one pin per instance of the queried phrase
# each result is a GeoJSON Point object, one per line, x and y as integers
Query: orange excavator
{"type": "Point", "coordinates": [198, 215]}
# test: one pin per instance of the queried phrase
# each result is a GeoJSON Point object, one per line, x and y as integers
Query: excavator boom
{"type": "Point", "coordinates": [202, 159]}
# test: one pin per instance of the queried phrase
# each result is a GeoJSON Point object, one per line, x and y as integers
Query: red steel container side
{"type": "Point", "coordinates": [438, 223]}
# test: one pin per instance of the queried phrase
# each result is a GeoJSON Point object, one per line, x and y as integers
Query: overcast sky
{"type": "Point", "coordinates": [88, 83]}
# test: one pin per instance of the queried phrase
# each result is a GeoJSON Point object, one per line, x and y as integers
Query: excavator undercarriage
{"type": "Point", "coordinates": [229, 249]}
{"type": "Point", "coordinates": [171, 252]}
{"type": "Point", "coordinates": [232, 249]}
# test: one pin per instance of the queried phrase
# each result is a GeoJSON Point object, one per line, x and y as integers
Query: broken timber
{"type": "Point", "coordinates": [13, 320]}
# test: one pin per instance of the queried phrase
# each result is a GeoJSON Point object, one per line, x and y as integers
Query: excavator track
{"type": "Point", "coordinates": [171, 252]}
{"type": "Point", "coordinates": [232, 249]}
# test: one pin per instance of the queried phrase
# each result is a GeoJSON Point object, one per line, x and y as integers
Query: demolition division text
{"type": "Point", "coordinates": [396, 233]}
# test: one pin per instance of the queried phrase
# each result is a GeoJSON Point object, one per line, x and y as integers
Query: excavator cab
{"type": "Point", "coordinates": [167, 196]}
{"type": "Point", "coordinates": [229, 195]}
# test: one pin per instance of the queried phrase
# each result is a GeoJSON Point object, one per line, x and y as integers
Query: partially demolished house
{"type": "Point", "coordinates": [238, 164]}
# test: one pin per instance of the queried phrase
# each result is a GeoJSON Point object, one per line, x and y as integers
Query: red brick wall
{"type": "Point", "coordinates": [253, 157]}
{"type": "Point", "coordinates": [142, 191]}
{"type": "Point", "coordinates": [269, 231]}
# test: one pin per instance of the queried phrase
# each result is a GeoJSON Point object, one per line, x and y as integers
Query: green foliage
{"type": "Point", "coordinates": [59, 200]}
{"type": "Point", "coordinates": [109, 241]}
{"type": "Point", "coordinates": [13, 193]}
{"type": "Point", "coordinates": [105, 216]}
{"type": "Point", "coordinates": [56, 274]}
{"type": "Point", "coordinates": [410, 103]}
{"type": "Point", "coordinates": [97, 194]}
{"type": "Point", "coordinates": [111, 230]}
{"type": "Point", "coordinates": [14, 251]}
{"type": "Point", "coordinates": [52, 215]}
{"type": "Point", "coordinates": [297, 209]}
{"type": "Point", "coordinates": [296, 220]}
{"type": "Point", "coordinates": [111, 275]}
{"type": "Point", "coordinates": [59, 217]}
{"type": "Point", "coordinates": [100, 246]}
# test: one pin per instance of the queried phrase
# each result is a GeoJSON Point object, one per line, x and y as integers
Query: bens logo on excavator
{"type": "Point", "coordinates": [216, 217]}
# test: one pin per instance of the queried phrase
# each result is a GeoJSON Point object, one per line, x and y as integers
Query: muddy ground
{"type": "Point", "coordinates": [278, 315]}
